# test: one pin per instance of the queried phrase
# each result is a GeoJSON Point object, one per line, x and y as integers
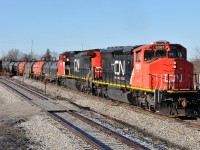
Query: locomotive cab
{"type": "Point", "coordinates": [162, 69]}
{"type": "Point", "coordinates": [162, 66]}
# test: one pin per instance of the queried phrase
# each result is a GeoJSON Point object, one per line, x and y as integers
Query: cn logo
{"type": "Point", "coordinates": [76, 65]}
{"type": "Point", "coordinates": [119, 67]}
{"type": "Point", "coordinates": [173, 78]}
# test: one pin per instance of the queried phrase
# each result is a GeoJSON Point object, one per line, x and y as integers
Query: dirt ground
{"type": "Point", "coordinates": [14, 111]}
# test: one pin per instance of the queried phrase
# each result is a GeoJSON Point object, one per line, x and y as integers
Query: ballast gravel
{"type": "Point", "coordinates": [8, 97]}
{"type": "Point", "coordinates": [25, 126]}
{"type": "Point", "coordinates": [47, 134]}
{"type": "Point", "coordinates": [172, 132]}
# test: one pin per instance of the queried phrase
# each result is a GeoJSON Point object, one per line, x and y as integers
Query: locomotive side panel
{"type": "Point", "coordinates": [118, 66]}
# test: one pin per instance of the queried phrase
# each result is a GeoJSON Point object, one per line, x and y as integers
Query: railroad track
{"type": "Point", "coordinates": [96, 135]}
{"type": "Point", "coordinates": [193, 122]}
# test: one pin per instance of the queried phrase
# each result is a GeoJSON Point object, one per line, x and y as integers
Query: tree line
{"type": "Point", "coordinates": [16, 54]}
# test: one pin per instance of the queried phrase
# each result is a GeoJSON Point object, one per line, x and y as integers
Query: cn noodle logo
{"type": "Point", "coordinates": [76, 65]}
{"type": "Point", "coordinates": [119, 67]}
{"type": "Point", "coordinates": [173, 78]}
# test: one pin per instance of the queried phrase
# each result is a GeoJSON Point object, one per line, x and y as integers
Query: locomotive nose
{"type": "Point", "coordinates": [179, 74]}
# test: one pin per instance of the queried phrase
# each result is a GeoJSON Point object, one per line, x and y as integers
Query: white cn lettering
{"type": "Point", "coordinates": [173, 78]}
{"type": "Point", "coordinates": [76, 65]}
{"type": "Point", "coordinates": [119, 67]}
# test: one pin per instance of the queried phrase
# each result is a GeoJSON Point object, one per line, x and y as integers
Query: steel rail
{"type": "Point", "coordinates": [62, 121]}
{"type": "Point", "coordinates": [107, 131]}
{"type": "Point", "coordinates": [77, 131]}
{"type": "Point", "coordinates": [27, 89]}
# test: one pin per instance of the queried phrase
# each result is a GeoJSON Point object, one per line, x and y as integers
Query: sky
{"type": "Point", "coordinates": [66, 25]}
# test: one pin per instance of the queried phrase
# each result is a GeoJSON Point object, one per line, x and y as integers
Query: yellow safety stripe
{"type": "Point", "coordinates": [182, 91]}
{"type": "Point", "coordinates": [130, 87]}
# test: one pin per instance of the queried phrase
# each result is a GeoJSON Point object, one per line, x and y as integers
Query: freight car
{"type": "Point", "coordinates": [5, 65]}
{"type": "Point", "coordinates": [11, 68]}
{"type": "Point", "coordinates": [21, 67]}
{"type": "Point", "coordinates": [154, 76]}
{"type": "Point", "coordinates": [38, 69]}
{"type": "Point", "coordinates": [28, 71]}
{"type": "Point", "coordinates": [50, 70]}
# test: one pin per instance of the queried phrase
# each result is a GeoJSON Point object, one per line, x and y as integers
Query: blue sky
{"type": "Point", "coordinates": [63, 25]}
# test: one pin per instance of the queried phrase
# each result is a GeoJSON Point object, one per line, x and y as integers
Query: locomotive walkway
{"type": "Point", "coordinates": [96, 135]}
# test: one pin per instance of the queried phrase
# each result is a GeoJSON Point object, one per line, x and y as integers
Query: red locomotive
{"type": "Point", "coordinates": [155, 76]}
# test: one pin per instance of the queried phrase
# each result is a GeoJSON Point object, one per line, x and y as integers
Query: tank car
{"type": "Point", "coordinates": [28, 71]}
{"type": "Point", "coordinates": [38, 68]}
{"type": "Point", "coordinates": [21, 67]}
{"type": "Point", "coordinates": [50, 70]}
{"type": "Point", "coordinates": [13, 67]}
{"type": "Point", "coordinates": [5, 65]}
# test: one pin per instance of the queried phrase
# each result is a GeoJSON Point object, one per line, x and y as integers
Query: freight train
{"type": "Point", "coordinates": [154, 76]}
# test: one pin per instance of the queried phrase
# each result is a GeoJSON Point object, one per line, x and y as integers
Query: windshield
{"type": "Point", "coordinates": [148, 55]}
{"type": "Point", "coordinates": [177, 54]}
{"type": "Point", "coordinates": [160, 53]}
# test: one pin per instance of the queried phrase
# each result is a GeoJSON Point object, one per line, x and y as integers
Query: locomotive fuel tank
{"type": "Point", "coordinates": [117, 94]}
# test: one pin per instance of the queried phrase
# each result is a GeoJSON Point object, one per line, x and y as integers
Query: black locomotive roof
{"type": "Point", "coordinates": [123, 49]}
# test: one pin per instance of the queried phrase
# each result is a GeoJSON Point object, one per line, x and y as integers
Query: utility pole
{"type": "Point", "coordinates": [31, 48]}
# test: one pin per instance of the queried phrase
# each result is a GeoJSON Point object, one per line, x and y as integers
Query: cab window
{"type": "Point", "coordinates": [177, 54]}
{"type": "Point", "coordinates": [160, 53]}
{"type": "Point", "coordinates": [138, 56]}
{"type": "Point", "coordinates": [181, 54]}
{"type": "Point", "coordinates": [172, 54]}
{"type": "Point", "coordinates": [148, 55]}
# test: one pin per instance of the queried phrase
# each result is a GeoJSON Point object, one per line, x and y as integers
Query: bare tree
{"type": "Point", "coordinates": [196, 60]}
{"type": "Point", "coordinates": [13, 54]}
